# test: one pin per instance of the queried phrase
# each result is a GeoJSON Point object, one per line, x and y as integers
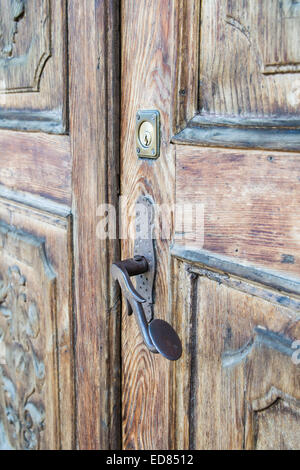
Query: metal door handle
{"type": "Point", "coordinates": [158, 335]}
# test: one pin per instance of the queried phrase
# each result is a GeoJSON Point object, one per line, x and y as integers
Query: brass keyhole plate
{"type": "Point", "coordinates": [147, 133]}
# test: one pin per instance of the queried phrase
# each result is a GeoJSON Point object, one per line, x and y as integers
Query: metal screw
{"type": "Point", "coordinates": [153, 152]}
{"type": "Point", "coordinates": [138, 150]}
{"type": "Point", "coordinates": [138, 117]}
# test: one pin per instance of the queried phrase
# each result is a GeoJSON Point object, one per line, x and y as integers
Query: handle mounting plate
{"type": "Point", "coordinates": [144, 246]}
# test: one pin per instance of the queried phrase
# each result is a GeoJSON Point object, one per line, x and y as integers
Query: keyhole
{"type": "Point", "coordinates": [146, 134]}
{"type": "Point", "coordinates": [147, 139]}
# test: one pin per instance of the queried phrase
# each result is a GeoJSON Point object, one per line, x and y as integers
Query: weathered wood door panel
{"type": "Point", "coordinates": [36, 329]}
{"type": "Point", "coordinates": [59, 351]}
{"type": "Point", "coordinates": [224, 76]}
{"type": "Point", "coordinates": [36, 364]}
{"type": "Point", "coordinates": [240, 362]}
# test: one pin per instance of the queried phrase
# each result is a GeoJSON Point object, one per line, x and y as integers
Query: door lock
{"type": "Point", "coordinates": [147, 134]}
{"type": "Point", "coordinates": [158, 335]}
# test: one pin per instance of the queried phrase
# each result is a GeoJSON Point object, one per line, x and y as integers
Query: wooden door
{"type": "Point", "coordinates": [58, 162]}
{"type": "Point", "coordinates": [224, 76]}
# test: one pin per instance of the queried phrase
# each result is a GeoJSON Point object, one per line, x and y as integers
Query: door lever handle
{"type": "Point", "coordinates": [158, 335]}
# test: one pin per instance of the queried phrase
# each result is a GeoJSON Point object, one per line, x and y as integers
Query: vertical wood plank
{"type": "Point", "coordinates": [94, 101]}
{"type": "Point", "coordinates": [186, 51]}
{"type": "Point", "coordinates": [147, 65]}
{"type": "Point", "coordinates": [184, 307]}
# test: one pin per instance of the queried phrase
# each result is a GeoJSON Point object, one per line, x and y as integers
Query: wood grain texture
{"type": "Point", "coordinates": [94, 106]}
{"type": "Point", "coordinates": [250, 201]}
{"type": "Point", "coordinates": [272, 398]}
{"type": "Point", "coordinates": [36, 268]}
{"type": "Point", "coordinates": [33, 65]}
{"type": "Point", "coordinates": [247, 48]}
{"type": "Point", "coordinates": [238, 364]}
{"type": "Point", "coordinates": [278, 423]}
{"type": "Point", "coordinates": [147, 83]}
{"type": "Point", "coordinates": [186, 51]}
{"type": "Point", "coordinates": [38, 164]}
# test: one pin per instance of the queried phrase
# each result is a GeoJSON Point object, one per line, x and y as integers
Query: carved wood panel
{"type": "Point", "coordinates": [11, 14]}
{"type": "Point", "coordinates": [27, 309]}
{"type": "Point", "coordinates": [238, 384]}
{"type": "Point", "coordinates": [274, 422]}
{"type": "Point", "coordinates": [272, 384]}
{"type": "Point", "coordinates": [271, 27]}
{"type": "Point", "coordinates": [33, 64]}
{"type": "Point", "coordinates": [23, 52]}
{"type": "Point", "coordinates": [36, 368]}
{"type": "Point", "coordinates": [282, 53]}
{"type": "Point", "coordinates": [248, 51]}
